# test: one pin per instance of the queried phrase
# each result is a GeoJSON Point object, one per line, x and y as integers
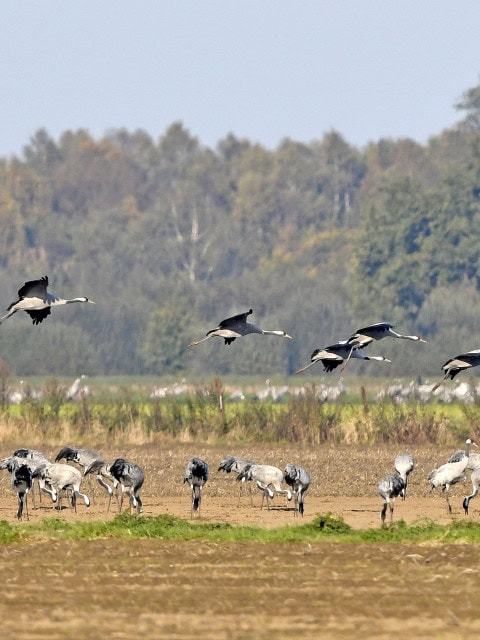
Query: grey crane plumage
{"type": "Point", "coordinates": [62, 477]}
{"type": "Point", "coordinates": [35, 458]}
{"type": "Point", "coordinates": [336, 354]}
{"type": "Point", "coordinates": [459, 363]}
{"type": "Point", "coordinates": [196, 474]}
{"type": "Point", "coordinates": [377, 331]}
{"type": "Point", "coordinates": [130, 478]}
{"type": "Point", "coordinates": [298, 478]}
{"type": "Point", "coordinates": [233, 464]}
{"type": "Point", "coordinates": [265, 476]}
{"type": "Point", "coordinates": [22, 481]}
{"type": "Point", "coordinates": [34, 299]}
{"type": "Point", "coordinates": [404, 465]}
{"type": "Point", "coordinates": [232, 328]}
{"type": "Point", "coordinates": [389, 488]}
{"type": "Point", "coordinates": [84, 458]}
{"type": "Point", "coordinates": [450, 473]}
{"type": "Point", "coordinates": [475, 478]}
{"type": "Point", "coordinates": [373, 332]}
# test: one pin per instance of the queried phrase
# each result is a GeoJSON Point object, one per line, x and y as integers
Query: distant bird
{"type": "Point", "coordinates": [34, 300]}
{"type": "Point", "coordinates": [404, 465]}
{"type": "Point", "coordinates": [232, 463]}
{"type": "Point", "coordinates": [265, 476]}
{"type": "Point", "coordinates": [458, 364]}
{"type": "Point", "coordinates": [131, 478]}
{"type": "Point", "coordinates": [336, 354]}
{"type": "Point", "coordinates": [475, 478]}
{"type": "Point", "coordinates": [196, 474]}
{"type": "Point", "coordinates": [299, 479]}
{"type": "Point", "coordinates": [232, 328]}
{"type": "Point", "coordinates": [75, 389]}
{"type": "Point", "coordinates": [451, 473]}
{"type": "Point", "coordinates": [62, 477]}
{"type": "Point", "coordinates": [390, 488]}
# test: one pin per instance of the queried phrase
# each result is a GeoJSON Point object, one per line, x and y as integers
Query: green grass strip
{"type": "Point", "coordinates": [323, 528]}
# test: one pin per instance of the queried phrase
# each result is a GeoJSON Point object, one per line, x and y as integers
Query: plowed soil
{"type": "Point", "coordinates": [158, 589]}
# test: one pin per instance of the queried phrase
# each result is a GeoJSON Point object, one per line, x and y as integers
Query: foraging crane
{"type": "Point", "coordinates": [265, 476]}
{"type": "Point", "coordinates": [390, 488]}
{"type": "Point", "coordinates": [131, 478]}
{"type": "Point", "coordinates": [334, 355]}
{"type": "Point", "coordinates": [34, 459]}
{"type": "Point", "coordinates": [33, 464]}
{"type": "Point", "coordinates": [232, 463]}
{"type": "Point", "coordinates": [404, 465]}
{"type": "Point", "coordinates": [22, 483]}
{"type": "Point", "coordinates": [451, 473]}
{"type": "Point", "coordinates": [34, 299]}
{"type": "Point", "coordinates": [299, 479]}
{"type": "Point", "coordinates": [196, 474]}
{"type": "Point", "coordinates": [62, 477]}
{"type": "Point", "coordinates": [475, 478]}
{"type": "Point", "coordinates": [102, 470]}
{"type": "Point", "coordinates": [84, 458]}
{"type": "Point", "coordinates": [232, 328]}
{"type": "Point", "coordinates": [460, 363]}
{"type": "Point", "coordinates": [21, 476]}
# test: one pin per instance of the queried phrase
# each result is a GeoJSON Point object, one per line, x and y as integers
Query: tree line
{"type": "Point", "coordinates": [169, 236]}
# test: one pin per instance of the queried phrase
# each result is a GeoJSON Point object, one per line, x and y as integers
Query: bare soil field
{"type": "Point", "coordinates": [159, 589]}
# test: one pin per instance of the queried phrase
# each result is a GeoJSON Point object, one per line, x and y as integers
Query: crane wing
{"type": "Point", "coordinates": [241, 318]}
{"type": "Point", "coordinates": [34, 289]}
{"type": "Point", "coordinates": [38, 315]}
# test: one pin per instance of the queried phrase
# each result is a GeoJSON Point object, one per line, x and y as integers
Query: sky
{"type": "Point", "coordinates": [264, 70]}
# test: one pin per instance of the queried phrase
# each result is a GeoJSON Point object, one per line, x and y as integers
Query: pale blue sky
{"type": "Point", "coordinates": [263, 70]}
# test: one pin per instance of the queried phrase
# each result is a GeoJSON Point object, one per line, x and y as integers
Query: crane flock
{"type": "Point", "coordinates": [124, 477]}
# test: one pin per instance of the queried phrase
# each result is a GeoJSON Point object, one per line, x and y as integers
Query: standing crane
{"type": "Point", "coordinates": [299, 479]}
{"type": "Point", "coordinates": [460, 363]}
{"type": "Point", "coordinates": [451, 473]}
{"type": "Point", "coordinates": [131, 478]}
{"type": "Point", "coordinates": [21, 477]}
{"type": "Point", "coordinates": [334, 355]}
{"type": "Point", "coordinates": [232, 463]}
{"type": "Point", "coordinates": [232, 328]}
{"type": "Point", "coordinates": [196, 474]}
{"type": "Point", "coordinates": [404, 465]}
{"type": "Point", "coordinates": [34, 299]}
{"type": "Point", "coordinates": [265, 476]}
{"type": "Point", "coordinates": [390, 488]}
{"type": "Point", "coordinates": [475, 478]}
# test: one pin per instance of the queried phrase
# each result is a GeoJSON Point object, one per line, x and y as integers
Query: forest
{"type": "Point", "coordinates": [169, 237]}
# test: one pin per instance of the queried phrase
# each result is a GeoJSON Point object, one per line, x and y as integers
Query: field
{"type": "Point", "coordinates": [112, 587]}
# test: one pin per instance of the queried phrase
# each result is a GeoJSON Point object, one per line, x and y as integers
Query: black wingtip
{"type": "Point", "coordinates": [249, 312]}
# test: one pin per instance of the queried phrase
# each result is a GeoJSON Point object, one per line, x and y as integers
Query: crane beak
{"type": "Point", "coordinates": [287, 336]}
{"type": "Point", "coordinates": [422, 340]}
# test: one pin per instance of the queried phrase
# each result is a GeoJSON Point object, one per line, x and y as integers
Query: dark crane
{"type": "Point", "coordinates": [196, 474]}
